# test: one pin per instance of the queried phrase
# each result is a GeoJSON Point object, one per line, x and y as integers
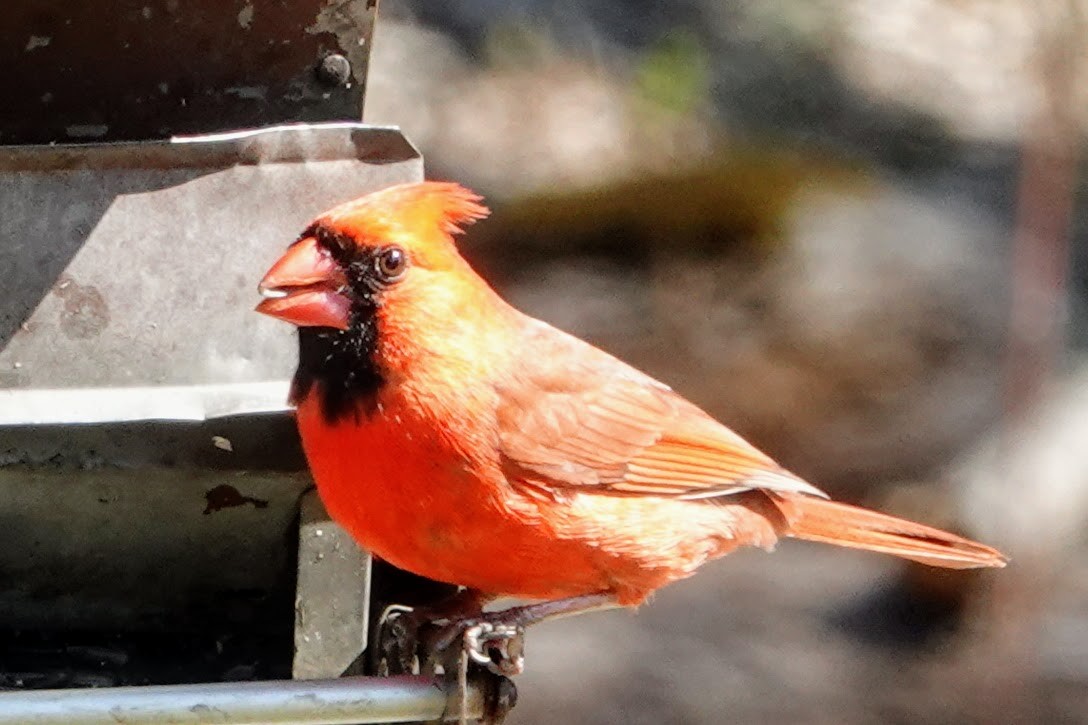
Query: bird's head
{"type": "Point", "coordinates": [375, 286]}
{"type": "Point", "coordinates": [378, 250]}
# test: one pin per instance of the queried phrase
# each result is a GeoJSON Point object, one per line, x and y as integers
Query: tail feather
{"type": "Point", "coordinates": [832, 522]}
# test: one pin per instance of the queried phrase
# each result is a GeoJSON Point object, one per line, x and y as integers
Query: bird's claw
{"type": "Point", "coordinates": [488, 641]}
{"type": "Point", "coordinates": [398, 640]}
{"type": "Point", "coordinates": [410, 641]}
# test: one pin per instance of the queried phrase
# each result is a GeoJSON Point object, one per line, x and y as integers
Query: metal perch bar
{"type": "Point", "coordinates": [305, 702]}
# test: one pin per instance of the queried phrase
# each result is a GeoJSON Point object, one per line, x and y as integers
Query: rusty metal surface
{"type": "Point", "coordinates": [149, 69]}
{"type": "Point", "coordinates": [130, 268]}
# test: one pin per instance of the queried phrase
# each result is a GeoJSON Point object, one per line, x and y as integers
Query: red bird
{"type": "Point", "coordinates": [464, 441]}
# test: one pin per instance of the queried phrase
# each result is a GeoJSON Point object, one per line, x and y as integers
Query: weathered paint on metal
{"type": "Point", "coordinates": [147, 69]}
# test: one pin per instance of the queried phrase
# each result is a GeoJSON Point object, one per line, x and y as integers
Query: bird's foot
{"type": "Point", "coordinates": [459, 638]}
{"type": "Point", "coordinates": [491, 641]}
{"type": "Point", "coordinates": [496, 640]}
{"type": "Point", "coordinates": [419, 640]}
{"type": "Point", "coordinates": [402, 632]}
{"type": "Point", "coordinates": [426, 640]}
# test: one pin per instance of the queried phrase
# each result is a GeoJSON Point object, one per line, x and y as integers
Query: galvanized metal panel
{"type": "Point", "coordinates": [130, 268]}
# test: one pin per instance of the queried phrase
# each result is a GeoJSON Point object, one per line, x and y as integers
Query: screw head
{"type": "Point", "coordinates": [334, 70]}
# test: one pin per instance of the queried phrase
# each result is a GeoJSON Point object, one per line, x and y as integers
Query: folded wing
{"type": "Point", "coordinates": [574, 416]}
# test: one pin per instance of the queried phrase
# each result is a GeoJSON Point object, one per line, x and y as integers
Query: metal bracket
{"type": "Point", "coordinates": [332, 599]}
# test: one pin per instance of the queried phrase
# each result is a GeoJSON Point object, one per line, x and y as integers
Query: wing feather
{"type": "Point", "coordinates": [574, 416]}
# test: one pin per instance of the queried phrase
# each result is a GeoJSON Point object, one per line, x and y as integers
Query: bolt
{"type": "Point", "coordinates": [334, 70]}
{"type": "Point", "coordinates": [500, 697]}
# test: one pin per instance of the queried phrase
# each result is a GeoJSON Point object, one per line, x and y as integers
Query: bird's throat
{"type": "Point", "coordinates": [340, 367]}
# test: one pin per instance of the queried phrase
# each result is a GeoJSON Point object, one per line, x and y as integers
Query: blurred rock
{"type": "Point", "coordinates": [902, 84]}
{"type": "Point", "coordinates": [974, 65]}
{"type": "Point", "coordinates": [519, 127]}
{"type": "Point", "coordinates": [1025, 486]}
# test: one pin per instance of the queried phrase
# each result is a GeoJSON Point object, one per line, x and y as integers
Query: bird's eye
{"type": "Point", "coordinates": [390, 264]}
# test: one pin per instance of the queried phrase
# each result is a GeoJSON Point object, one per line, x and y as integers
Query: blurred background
{"type": "Point", "coordinates": [855, 231]}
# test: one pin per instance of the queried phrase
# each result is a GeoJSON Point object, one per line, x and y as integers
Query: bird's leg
{"type": "Point", "coordinates": [496, 639]}
{"type": "Point", "coordinates": [464, 603]}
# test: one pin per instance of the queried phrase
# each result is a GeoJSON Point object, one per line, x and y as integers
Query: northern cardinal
{"type": "Point", "coordinates": [462, 440]}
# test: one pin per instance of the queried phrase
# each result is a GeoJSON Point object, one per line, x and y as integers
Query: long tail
{"type": "Point", "coordinates": [831, 522]}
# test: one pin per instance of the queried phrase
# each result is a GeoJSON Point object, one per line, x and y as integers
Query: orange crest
{"type": "Point", "coordinates": [424, 206]}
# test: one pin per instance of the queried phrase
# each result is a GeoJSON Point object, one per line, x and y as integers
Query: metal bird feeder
{"type": "Point", "coordinates": [158, 524]}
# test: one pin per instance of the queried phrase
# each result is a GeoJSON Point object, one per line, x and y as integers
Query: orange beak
{"type": "Point", "coordinates": [304, 288]}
